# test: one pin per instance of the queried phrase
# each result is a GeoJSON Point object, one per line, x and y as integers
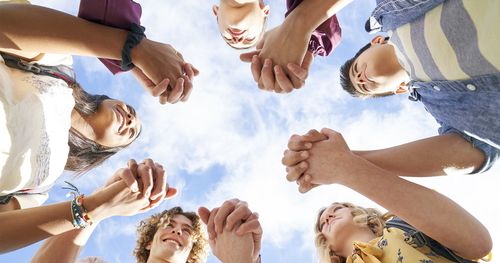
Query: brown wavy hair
{"type": "Point", "coordinates": [148, 227]}
{"type": "Point", "coordinates": [370, 217]}
{"type": "Point", "coordinates": [84, 153]}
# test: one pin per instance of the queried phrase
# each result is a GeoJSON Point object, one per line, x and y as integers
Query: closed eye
{"type": "Point", "coordinates": [132, 133]}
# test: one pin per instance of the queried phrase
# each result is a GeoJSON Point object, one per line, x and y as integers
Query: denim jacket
{"type": "Point", "coordinates": [469, 107]}
{"type": "Point", "coordinates": [391, 14]}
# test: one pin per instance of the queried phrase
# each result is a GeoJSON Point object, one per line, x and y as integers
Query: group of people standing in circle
{"type": "Point", "coordinates": [440, 52]}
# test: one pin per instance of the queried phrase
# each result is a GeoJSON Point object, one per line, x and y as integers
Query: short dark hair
{"type": "Point", "coordinates": [345, 79]}
{"type": "Point", "coordinates": [84, 153]}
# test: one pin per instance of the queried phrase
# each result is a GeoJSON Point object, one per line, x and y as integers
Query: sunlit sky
{"type": "Point", "coordinates": [227, 140]}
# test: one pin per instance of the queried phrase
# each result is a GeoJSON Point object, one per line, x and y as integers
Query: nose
{"type": "Point", "coordinates": [238, 39]}
{"type": "Point", "coordinates": [176, 231]}
{"type": "Point", "coordinates": [359, 78]}
{"type": "Point", "coordinates": [329, 219]}
{"type": "Point", "coordinates": [130, 120]}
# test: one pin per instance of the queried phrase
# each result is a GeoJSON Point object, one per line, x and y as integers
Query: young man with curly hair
{"type": "Point", "coordinates": [176, 236]}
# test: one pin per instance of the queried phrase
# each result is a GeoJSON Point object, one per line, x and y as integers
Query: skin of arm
{"type": "Point", "coordinates": [433, 156]}
{"type": "Point", "coordinates": [23, 227]}
{"type": "Point", "coordinates": [38, 30]}
{"type": "Point", "coordinates": [287, 45]}
{"type": "Point", "coordinates": [64, 247]}
{"type": "Point", "coordinates": [429, 211]}
{"type": "Point", "coordinates": [67, 246]}
{"type": "Point", "coordinates": [428, 157]}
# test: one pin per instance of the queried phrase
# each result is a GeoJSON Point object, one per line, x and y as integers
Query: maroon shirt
{"type": "Point", "coordinates": [116, 13]}
{"type": "Point", "coordinates": [326, 37]}
{"type": "Point", "coordinates": [123, 13]}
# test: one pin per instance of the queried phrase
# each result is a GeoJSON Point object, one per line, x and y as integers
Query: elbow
{"type": "Point", "coordinates": [479, 248]}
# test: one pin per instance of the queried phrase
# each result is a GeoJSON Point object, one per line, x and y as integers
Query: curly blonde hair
{"type": "Point", "coordinates": [148, 227]}
{"type": "Point", "coordinates": [370, 217]}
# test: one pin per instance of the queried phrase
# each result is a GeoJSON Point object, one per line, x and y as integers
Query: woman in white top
{"type": "Point", "coordinates": [48, 126]}
{"type": "Point", "coordinates": [39, 115]}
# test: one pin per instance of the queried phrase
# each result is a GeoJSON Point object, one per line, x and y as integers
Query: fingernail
{"type": "Point", "coordinates": [304, 154]}
{"type": "Point", "coordinates": [276, 68]}
{"type": "Point", "coordinates": [302, 165]}
{"type": "Point", "coordinates": [308, 145]}
{"type": "Point", "coordinates": [135, 189]}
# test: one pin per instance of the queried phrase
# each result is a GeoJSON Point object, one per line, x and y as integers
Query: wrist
{"type": "Point", "coordinates": [95, 207]}
{"type": "Point", "coordinates": [134, 37]}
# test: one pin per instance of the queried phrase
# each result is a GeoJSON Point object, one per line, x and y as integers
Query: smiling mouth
{"type": "Point", "coordinates": [121, 116]}
{"type": "Point", "coordinates": [236, 33]}
{"type": "Point", "coordinates": [173, 241]}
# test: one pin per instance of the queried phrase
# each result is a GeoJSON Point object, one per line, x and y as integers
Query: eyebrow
{"type": "Point", "coordinates": [182, 224]}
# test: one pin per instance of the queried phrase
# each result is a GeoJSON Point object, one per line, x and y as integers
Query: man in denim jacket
{"type": "Point", "coordinates": [446, 55]}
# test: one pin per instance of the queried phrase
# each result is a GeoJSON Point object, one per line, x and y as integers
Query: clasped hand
{"type": "Point", "coordinates": [162, 71]}
{"type": "Point", "coordinates": [275, 63]}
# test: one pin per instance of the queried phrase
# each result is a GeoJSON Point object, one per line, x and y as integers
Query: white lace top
{"type": "Point", "coordinates": [35, 118]}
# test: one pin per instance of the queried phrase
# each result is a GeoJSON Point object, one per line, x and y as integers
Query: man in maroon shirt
{"type": "Point", "coordinates": [242, 24]}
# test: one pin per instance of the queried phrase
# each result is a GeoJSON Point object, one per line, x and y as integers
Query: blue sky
{"type": "Point", "coordinates": [227, 140]}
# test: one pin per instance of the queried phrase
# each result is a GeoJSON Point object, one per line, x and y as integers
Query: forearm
{"type": "Point", "coordinates": [312, 13]}
{"type": "Point", "coordinates": [437, 155]}
{"type": "Point", "coordinates": [429, 211]}
{"type": "Point", "coordinates": [23, 227]}
{"type": "Point", "coordinates": [20, 228]}
{"type": "Point", "coordinates": [64, 247]}
{"type": "Point", "coordinates": [30, 28]}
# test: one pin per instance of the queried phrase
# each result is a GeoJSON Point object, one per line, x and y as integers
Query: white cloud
{"type": "Point", "coordinates": [229, 123]}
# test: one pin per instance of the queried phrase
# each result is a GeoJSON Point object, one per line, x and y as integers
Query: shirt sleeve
{"type": "Point", "coordinates": [31, 200]}
{"type": "Point", "coordinates": [326, 37]}
{"type": "Point", "coordinates": [115, 13]}
{"type": "Point", "coordinates": [491, 153]}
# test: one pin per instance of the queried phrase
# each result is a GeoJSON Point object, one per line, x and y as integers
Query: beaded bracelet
{"type": "Point", "coordinates": [134, 37]}
{"type": "Point", "coordinates": [81, 217]}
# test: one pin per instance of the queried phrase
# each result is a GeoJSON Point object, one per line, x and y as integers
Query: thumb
{"type": "Point", "coordinates": [171, 193]}
{"type": "Point", "coordinates": [330, 133]}
{"type": "Point", "coordinates": [247, 57]}
{"type": "Point", "coordinates": [204, 214]}
{"type": "Point", "coordinates": [260, 44]}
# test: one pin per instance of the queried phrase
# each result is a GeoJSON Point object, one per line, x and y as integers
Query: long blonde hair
{"type": "Point", "coordinates": [370, 217]}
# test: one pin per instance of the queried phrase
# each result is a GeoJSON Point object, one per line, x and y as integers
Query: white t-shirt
{"type": "Point", "coordinates": [35, 118]}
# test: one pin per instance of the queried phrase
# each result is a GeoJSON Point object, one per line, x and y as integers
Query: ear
{"type": "Point", "coordinates": [215, 9]}
{"type": "Point", "coordinates": [378, 40]}
{"type": "Point", "coordinates": [401, 89]}
{"type": "Point", "coordinates": [148, 247]}
{"type": "Point", "coordinates": [265, 9]}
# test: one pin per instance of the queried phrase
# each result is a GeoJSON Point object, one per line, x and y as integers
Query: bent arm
{"type": "Point", "coordinates": [438, 155]}
{"type": "Point", "coordinates": [427, 210]}
{"type": "Point", "coordinates": [64, 247]}
{"type": "Point", "coordinates": [37, 29]}
{"type": "Point", "coordinates": [42, 222]}
{"type": "Point", "coordinates": [310, 14]}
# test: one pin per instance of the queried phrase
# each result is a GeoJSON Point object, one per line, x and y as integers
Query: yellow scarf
{"type": "Point", "coordinates": [393, 247]}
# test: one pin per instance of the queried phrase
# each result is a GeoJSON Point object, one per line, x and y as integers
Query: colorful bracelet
{"type": "Point", "coordinates": [81, 217]}
{"type": "Point", "coordinates": [134, 37]}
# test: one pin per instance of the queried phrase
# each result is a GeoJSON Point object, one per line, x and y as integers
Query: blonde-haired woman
{"type": "Point", "coordinates": [345, 232]}
{"type": "Point", "coordinates": [421, 214]}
